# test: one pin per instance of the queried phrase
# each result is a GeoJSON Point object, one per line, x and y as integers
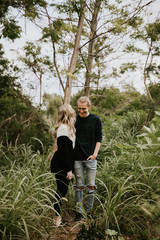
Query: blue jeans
{"type": "Point", "coordinates": [91, 167]}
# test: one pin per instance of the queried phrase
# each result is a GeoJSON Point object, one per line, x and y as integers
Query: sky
{"type": "Point", "coordinates": [51, 85]}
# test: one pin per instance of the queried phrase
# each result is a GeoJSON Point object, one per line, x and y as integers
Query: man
{"type": "Point", "coordinates": [88, 142]}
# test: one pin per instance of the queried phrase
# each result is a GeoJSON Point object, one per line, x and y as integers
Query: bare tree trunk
{"type": "Point", "coordinates": [145, 72]}
{"type": "Point", "coordinates": [94, 22]}
{"type": "Point", "coordinates": [71, 70]}
{"type": "Point", "coordinates": [40, 97]}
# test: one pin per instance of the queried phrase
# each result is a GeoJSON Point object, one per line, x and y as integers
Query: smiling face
{"type": "Point", "coordinates": [83, 109]}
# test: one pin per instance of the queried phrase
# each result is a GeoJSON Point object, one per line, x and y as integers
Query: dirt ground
{"type": "Point", "coordinates": [68, 230]}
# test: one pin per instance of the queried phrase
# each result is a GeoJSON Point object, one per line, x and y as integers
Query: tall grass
{"type": "Point", "coordinates": [127, 198]}
{"type": "Point", "coordinates": [128, 183]}
{"type": "Point", "coordinates": [27, 195]}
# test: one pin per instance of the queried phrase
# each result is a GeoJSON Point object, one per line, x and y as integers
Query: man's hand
{"type": "Point", "coordinates": [94, 156]}
{"type": "Point", "coordinates": [96, 150]}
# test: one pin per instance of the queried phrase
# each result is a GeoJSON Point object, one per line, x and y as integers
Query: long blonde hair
{"type": "Point", "coordinates": [67, 116]}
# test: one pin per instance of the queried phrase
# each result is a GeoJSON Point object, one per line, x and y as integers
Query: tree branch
{"type": "Point", "coordinates": [113, 28]}
{"type": "Point", "coordinates": [54, 53]}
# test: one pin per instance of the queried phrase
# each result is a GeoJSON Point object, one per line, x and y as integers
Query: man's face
{"type": "Point", "coordinates": [83, 109]}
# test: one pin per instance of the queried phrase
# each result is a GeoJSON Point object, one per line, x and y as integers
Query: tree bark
{"type": "Point", "coordinates": [93, 28]}
{"type": "Point", "coordinates": [40, 100]}
{"type": "Point", "coordinates": [72, 67]}
{"type": "Point", "coordinates": [145, 74]}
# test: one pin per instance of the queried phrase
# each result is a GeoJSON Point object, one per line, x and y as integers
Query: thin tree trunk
{"type": "Point", "coordinates": [40, 100]}
{"type": "Point", "coordinates": [145, 75]}
{"type": "Point", "coordinates": [68, 87]}
{"type": "Point", "coordinates": [94, 22]}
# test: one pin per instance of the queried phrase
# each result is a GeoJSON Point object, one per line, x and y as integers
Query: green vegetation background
{"type": "Point", "coordinates": [128, 188]}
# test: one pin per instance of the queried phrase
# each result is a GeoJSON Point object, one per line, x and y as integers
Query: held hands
{"type": "Point", "coordinates": [69, 175]}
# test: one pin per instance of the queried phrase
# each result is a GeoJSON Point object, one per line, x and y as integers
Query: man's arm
{"type": "Point", "coordinates": [96, 150]}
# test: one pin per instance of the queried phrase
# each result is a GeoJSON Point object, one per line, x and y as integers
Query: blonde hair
{"type": "Point", "coordinates": [84, 99]}
{"type": "Point", "coordinates": [67, 116]}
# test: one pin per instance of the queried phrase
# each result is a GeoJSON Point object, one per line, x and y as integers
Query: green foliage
{"type": "Point", "coordinates": [19, 120]}
{"type": "Point", "coordinates": [10, 27]}
{"type": "Point", "coordinates": [106, 102]}
{"type": "Point", "coordinates": [153, 30]}
{"type": "Point", "coordinates": [27, 195]}
{"type": "Point", "coordinates": [128, 187]}
{"type": "Point", "coordinates": [33, 59]}
{"type": "Point", "coordinates": [11, 30]}
{"type": "Point", "coordinates": [155, 92]}
{"type": "Point", "coordinates": [57, 32]}
{"type": "Point", "coordinates": [93, 232]}
{"type": "Point", "coordinates": [150, 35]}
{"type": "Point", "coordinates": [132, 48]}
{"type": "Point", "coordinates": [70, 7]}
{"type": "Point", "coordinates": [135, 21]}
{"type": "Point", "coordinates": [127, 66]}
{"type": "Point", "coordinates": [52, 103]}
{"type": "Point", "coordinates": [125, 128]}
{"type": "Point", "coordinates": [151, 135]}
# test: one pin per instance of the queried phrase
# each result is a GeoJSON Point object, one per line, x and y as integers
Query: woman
{"type": "Point", "coordinates": [62, 163]}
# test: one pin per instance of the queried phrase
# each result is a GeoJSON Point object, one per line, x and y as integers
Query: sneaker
{"type": "Point", "coordinates": [78, 217]}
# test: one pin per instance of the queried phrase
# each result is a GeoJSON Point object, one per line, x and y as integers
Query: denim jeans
{"type": "Point", "coordinates": [91, 167]}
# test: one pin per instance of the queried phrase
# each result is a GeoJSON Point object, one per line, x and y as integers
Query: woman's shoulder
{"type": "Point", "coordinates": [62, 126]}
{"type": "Point", "coordinates": [62, 130]}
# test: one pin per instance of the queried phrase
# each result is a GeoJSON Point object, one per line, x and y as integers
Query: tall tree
{"type": "Point", "coordinates": [75, 54]}
{"type": "Point", "coordinates": [58, 32]}
{"type": "Point", "coordinates": [93, 31]}
{"type": "Point", "coordinates": [111, 36]}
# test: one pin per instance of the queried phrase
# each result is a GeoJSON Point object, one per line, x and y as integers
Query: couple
{"type": "Point", "coordinates": [76, 154]}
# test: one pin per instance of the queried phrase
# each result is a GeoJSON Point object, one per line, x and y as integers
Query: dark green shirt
{"type": "Point", "coordinates": [88, 133]}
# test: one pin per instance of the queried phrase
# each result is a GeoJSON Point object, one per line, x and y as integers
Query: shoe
{"type": "Point", "coordinates": [58, 221]}
{"type": "Point", "coordinates": [79, 217]}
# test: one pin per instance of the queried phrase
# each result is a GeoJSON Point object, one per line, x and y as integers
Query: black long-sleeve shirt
{"type": "Point", "coordinates": [63, 158]}
{"type": "Point", "coordinates": [88, 133]}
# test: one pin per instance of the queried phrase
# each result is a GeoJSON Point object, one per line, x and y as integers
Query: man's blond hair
{"type": "Point", "coordinates": [84, 99]}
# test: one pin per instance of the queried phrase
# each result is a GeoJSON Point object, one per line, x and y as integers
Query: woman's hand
{"type": "Point", "coordinates": [69, 175]}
